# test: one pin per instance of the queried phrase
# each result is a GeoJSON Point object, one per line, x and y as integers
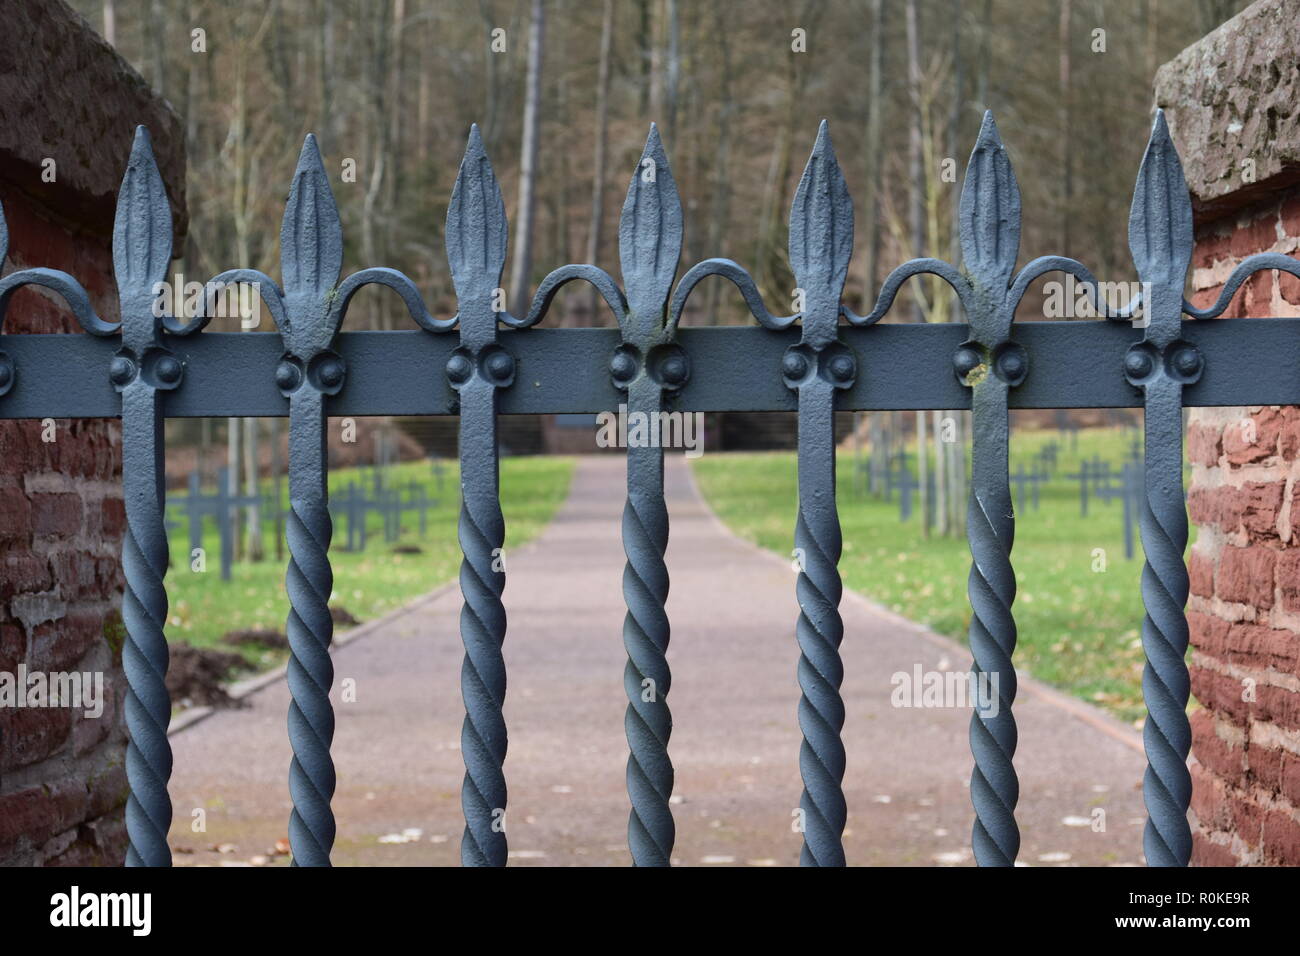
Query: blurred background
{"type": "Point", "coordinates": [737, 91]}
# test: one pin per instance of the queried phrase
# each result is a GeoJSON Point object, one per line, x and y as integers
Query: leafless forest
{"type": "Point", "coordinates": [564, 92]}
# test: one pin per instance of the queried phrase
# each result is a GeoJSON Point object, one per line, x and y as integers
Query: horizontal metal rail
{"type": "Point", "coordinates": [1076, 364]}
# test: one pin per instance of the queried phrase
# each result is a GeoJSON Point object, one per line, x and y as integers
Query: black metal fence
{"type": "Point", "coordinates": [484, 362]}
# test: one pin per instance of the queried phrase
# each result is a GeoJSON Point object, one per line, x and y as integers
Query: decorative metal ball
{"type": "Point", "coordinates": [1138, 363]}
{"type": "Point", "coordinates": [622, 366]}
{"type": "Point", "coordinates": [500, 365]}
{"type": "Point", "coordinates": [673, 370]}
{"type": "Point", "coordinates": [287, 376]}
{"type": "Point", "coordinates": [459, 368]}
{"type": "Point", "coordinates": [842, 368]}
{"type": "Point", "coordinates": [121, 370]}
{"type": "Point", "coordinates": [965, 360]}
{"type": "Point", "coordinates": [331, 372]}
{"type": "Point", "coordinates": [1187, 361]}
{"type": "Point", "coordinates": [168, 370]}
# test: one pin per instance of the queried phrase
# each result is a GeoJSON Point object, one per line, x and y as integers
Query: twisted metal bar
{"type": "Point", "coordinates": [991, 588]}
{"type": "Point", "coordinates": [309, 580]}
{"type": "Point", "coordinates": [1167, 735]}
{"type": "Point", "coordinates": [646, 364]}
{"type": "Point", "coordinates": [144, 613]}
{"type": "Point", "coordinates": [482, 534]}
{"type": "Point", "coordinates": [819, 631]}
{"type": "Point", "coordinates": [476, 252]}
{"type": "Point", "coordinates": [990, 364]}
{"type": "Point", "coordinates": [1160, 240]}
{"type": "Point", "coordinates": [821, 243]}
{"type": "Point", "coordinates": [647, 721]}
{"type": "Point", "coordinates": [142, 367]}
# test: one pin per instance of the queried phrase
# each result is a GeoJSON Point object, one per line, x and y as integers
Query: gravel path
{"type": "Point", "coordinates": [735, 743]}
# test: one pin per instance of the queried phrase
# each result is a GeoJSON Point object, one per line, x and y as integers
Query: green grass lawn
{"type": "Point", "coordinates": [368, 583]}
{"type": "Point", "coordinates": [1078, 628]}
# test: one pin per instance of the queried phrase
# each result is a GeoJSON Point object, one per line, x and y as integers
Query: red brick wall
{"type": "Point", "coordinates": [1245, 575]}
{"type": "Point", "coordinates": [62, 775]}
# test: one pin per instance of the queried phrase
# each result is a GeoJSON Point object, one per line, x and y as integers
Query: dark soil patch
{"type": "Point", "coordinates": [257, 637]}
{"type": "Point", "coordinates": [197, 675]}
{"type": "Point", "coordinates": [407, 549]}
{"type": "Point", "coordinates": [341, 615]}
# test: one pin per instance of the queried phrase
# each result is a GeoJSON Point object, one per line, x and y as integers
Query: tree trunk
{"type": "Point", "coordinates": [325, 13]}
{"type": "Point", "coordinates": [875, 125]}
{"type": "Point", "coordinates": [521, 266]}
{"type": "Point", "coordinates": [1064, 215]}
{"type": "Point", "coordinates": [491, 93]}
{"type": "Point", "coordinates": [941, 524]}
{"type": "Point", "coordinates": [721, 179]}
{"type": "Point", "coordinates": [595, 233]}
{"type": "Point", "coordinates": [560, 178]}
{"type": "Point", "coordinates": [672, 72]}
{"type": "Point", "coordinates": [110, 22]}
{"type": "Point", "coordinates": [916, 187]}
{"type": "Point", "coordinates": [922, 474]}
{"type": "Point", "coordinates": [232, 481]}
{"type": "Point", "coordinates": [983, 92]}
{"type": "Point", "coordinates": [253, 531]}
{"type": "Point", "coordinates": [156, 32]}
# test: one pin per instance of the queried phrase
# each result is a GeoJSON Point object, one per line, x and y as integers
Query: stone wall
{"type": "Point", "coordinates": [1231, 102]}
{"type": "Point", "coordinates": [64, 95]}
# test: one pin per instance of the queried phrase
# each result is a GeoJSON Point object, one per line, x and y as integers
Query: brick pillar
{"type": "Point", "coordinates": [65, 96]}
{"type": "Point", "coordinates": [1222, 95]}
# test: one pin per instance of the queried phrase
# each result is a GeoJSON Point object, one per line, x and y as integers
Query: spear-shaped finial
{"type": "Point", "coordinates": [989, 229]}
{"type": "Point", "coordinates": [1160, 220]}
{"type": "Point", "coordinates": [650, 235]}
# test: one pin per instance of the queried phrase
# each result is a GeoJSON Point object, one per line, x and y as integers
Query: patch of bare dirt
{"type": "Point", "coordinates": [341, 615]}
{"type": "Point", "coordinates": [196, 676]}
{"type": "Point", "coordinates": [257, 638]}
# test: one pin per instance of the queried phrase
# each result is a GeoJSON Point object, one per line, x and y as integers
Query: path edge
{"type": "Point", "coordinates": [1086, 713]}
{"type": "Point", "coordinates": [251, 685]}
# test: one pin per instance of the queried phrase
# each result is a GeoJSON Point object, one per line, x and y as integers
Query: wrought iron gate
{"type": "Point", "coordinates": [484, 362]}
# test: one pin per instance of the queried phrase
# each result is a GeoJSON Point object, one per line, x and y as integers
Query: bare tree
{"type": "Point", "coordinates": [1067, 143]}
{"type": "Point", "coordinates": [595, 233]}
{"type": "Point", "coordinates": [110, 22]}
{"type": "Point", "coordinates": [721, 179]}
{"type": "Point", "coordinates": [521, 266]}
{"type": "Point", "coordinates": [876, 106]}
{"type": "Point", "coordinates": [916, 217]}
